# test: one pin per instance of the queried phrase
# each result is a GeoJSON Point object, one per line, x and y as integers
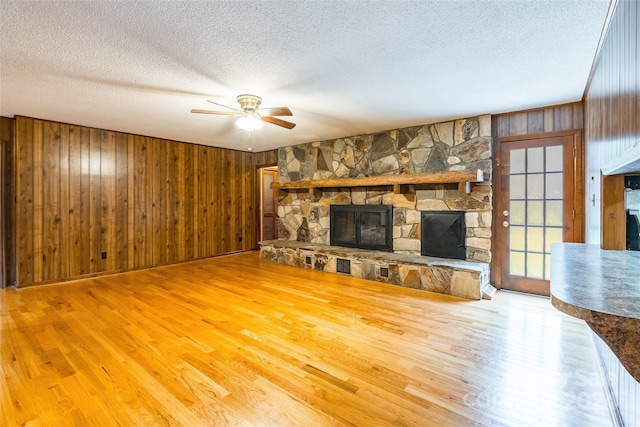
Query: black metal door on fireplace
{"type": "Point", "coordinates": [362, 226]}
{"type": "Point", "coordinates": [443, 234]}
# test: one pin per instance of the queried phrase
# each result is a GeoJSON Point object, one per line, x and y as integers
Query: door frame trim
{"type": "Point", "coordinates": [497, 258]}
{"type": "Point", "coordinates": [257, 176]}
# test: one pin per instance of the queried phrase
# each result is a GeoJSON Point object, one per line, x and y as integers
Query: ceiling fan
{"type": "Point", "coordinates": [252, 116]}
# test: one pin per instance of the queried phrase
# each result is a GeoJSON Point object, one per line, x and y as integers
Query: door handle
{"type": "Point", "coordinates": [505, 224]}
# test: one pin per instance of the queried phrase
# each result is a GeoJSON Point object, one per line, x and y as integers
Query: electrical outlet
{"type": "Point", "coordinates": [104, 255]}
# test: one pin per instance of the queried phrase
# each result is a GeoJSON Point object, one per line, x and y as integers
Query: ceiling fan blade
{"type": "Point", "coordinates": [222, 105]}
{"type": "Point", "coordinates": [223, 113]}
{"type": "Point", "coordinates": [278, 122]}
{"type": "Point", "coordinates": [275, 111]}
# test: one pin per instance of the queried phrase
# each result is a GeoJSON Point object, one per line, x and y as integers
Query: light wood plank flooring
{"type": "Point", "coordinates": [238, 341]}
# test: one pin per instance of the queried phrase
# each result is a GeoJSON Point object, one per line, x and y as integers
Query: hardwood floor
{"type": "Point", "coordinates": [238, 341]}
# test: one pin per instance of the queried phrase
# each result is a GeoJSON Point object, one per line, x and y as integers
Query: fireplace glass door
{"type": "Point", "coordinates": [362, 226]}
{"type": "Point", "coordinates": [373, 228]}
{"type": "Point", "coordinates": [343, 230]}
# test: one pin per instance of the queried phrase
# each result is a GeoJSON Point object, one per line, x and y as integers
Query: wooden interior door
{"type": "Point", "coordinates": [539, 197]}
{"type": "Point", "coordinates": [268, 204]}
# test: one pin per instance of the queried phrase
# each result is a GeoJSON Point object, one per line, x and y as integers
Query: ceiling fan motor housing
{"type": "Point", "coordinates": [249, 102]}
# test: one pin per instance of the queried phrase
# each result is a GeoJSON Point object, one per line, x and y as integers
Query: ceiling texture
{"type": "Point", "coordinates": [343, 68]}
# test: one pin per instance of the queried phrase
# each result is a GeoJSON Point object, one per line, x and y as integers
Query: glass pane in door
{"type": "Point", "coordinates": [536, 217]}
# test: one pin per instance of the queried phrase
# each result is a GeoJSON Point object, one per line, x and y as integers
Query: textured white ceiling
{"type": "Point", "coordinates": [343, 68]}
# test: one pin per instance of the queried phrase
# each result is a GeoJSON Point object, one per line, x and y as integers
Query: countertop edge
{"type": "Point", "coordinates": [620, 332]}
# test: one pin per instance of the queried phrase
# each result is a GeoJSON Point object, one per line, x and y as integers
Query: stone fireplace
{"type": "Point", "coordinates": [304, 216]}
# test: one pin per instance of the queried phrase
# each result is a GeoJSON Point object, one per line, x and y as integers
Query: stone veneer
{"type": "Point", "coordinates": [304, 216]}
{"type": "Point", "coordinates": [463, 144]}
{"type": "Point", "coordinates": [465, 279]}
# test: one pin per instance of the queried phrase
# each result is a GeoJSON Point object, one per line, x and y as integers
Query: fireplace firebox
{"type": "Point", "coordinates": [443, 234]}
{"type": "Point", "coordinates": [362, 226]}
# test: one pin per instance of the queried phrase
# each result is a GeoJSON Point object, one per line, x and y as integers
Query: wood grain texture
{"type": "Point", "coordinates": [85, 193]}
{"type": "Point", "coordinates": [612, 99]}
{"type": "Point", "coordinates": [544, 120]}
{"type": "Point", "coordinates": [612, 107]}
{"type": "Point", "coordinates": [23, 213]}
{"type": "Point", "coordinates": [74, 219]}
{"type": "Point", "coordinates": [266, 158]}
{"type": "Point", "coordinates": [120, 249]}
{"type": "Point", "coordinates": [237, 341]}
{"type": "Point", "coordinates": [373, 181]}
{"type": "Point", "coordinates": [7, 194]}
{"type": "Point", "coordinates": [37, 194]}
{"type": "Point", "coordinates": [614, 227]}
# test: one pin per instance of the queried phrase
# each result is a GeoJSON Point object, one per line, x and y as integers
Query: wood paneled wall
{"type": "Point", "coordinates": [7, 270]}
{"type": "Point", "coordinates": [544, 120]}
{"type": "Point", "coordinates": [612, 101]}
{"type": "Point", "coordinates": [93, 201]}
{"type": "Point", "coordinates": [612, 125]}
{"type": "Point", "coordinates": [612, 105]}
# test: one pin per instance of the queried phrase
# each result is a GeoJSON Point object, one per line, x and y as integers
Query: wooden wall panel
{"type": "Point", "coordinates": [201, 201]}
{"type": "Point", "coordinates": [141, 193]}
{"type": "Point", "coordinates": [38, 212]}
{"type": "Point", "coordinates": [612, 105]}
{"type": "Point", "coordinates": [85, 200]}
{"type": "Point", "coordinates": [25, 228]}
{"type": "Point", "coordinates": [140, 201]}
{"type": "Point", "coordinates": [158, 208]}
{"type": "Point", "coordinates": [544, 120]}
{"type": "Point", "coordinates": [266, 158]}
{"type": "Point", "coordinates": [189, 211]}
{"type": "Point", "coordinates": [612, 125]}
{"type": "Point", "coordinates": [216, 210]}
{"type": "Point", "coordinates": [7, 228]}
{"type": "Point", "coordinates": [95, 139]}
{"type": "Point", "coordinates": [76, 194]}
{"type": "Point", "coordinates": [51, 199]}
{"type": "Point", "coordinates": [107, 203]}
{"type": "Point", "coordinates": [120, 256]}
{"type": "Point", "coordinates": [172, 198]}
{"type": "Point", "coordinates": [64, 197]}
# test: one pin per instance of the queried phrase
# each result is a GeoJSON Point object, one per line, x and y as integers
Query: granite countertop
{"type": "Point", "coordinates": [605, 281]}
{"type": "Point", "coordinates": [602, 287]}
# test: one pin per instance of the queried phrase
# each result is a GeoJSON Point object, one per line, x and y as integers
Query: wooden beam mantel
{"type": "Point", "coordinates": [446, 177]}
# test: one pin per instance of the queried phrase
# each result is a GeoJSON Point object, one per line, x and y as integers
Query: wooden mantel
{"type": "Point", "coordinates": [446, 177]}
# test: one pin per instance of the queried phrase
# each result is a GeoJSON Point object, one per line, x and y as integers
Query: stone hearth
{"type": "Point", "coordinates": [459, 278]}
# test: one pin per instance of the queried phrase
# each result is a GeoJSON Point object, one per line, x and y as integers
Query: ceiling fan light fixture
{"type": "Point", "coordinates": [249, 122]}
{"type": "Point", "coordinates": [251, 116]}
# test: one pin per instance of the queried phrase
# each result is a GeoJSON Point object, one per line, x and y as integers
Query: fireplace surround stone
{"type": "Point", "coordinates": [457, 145]}
{"type": "Point", "coordinates": [465, 279]}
